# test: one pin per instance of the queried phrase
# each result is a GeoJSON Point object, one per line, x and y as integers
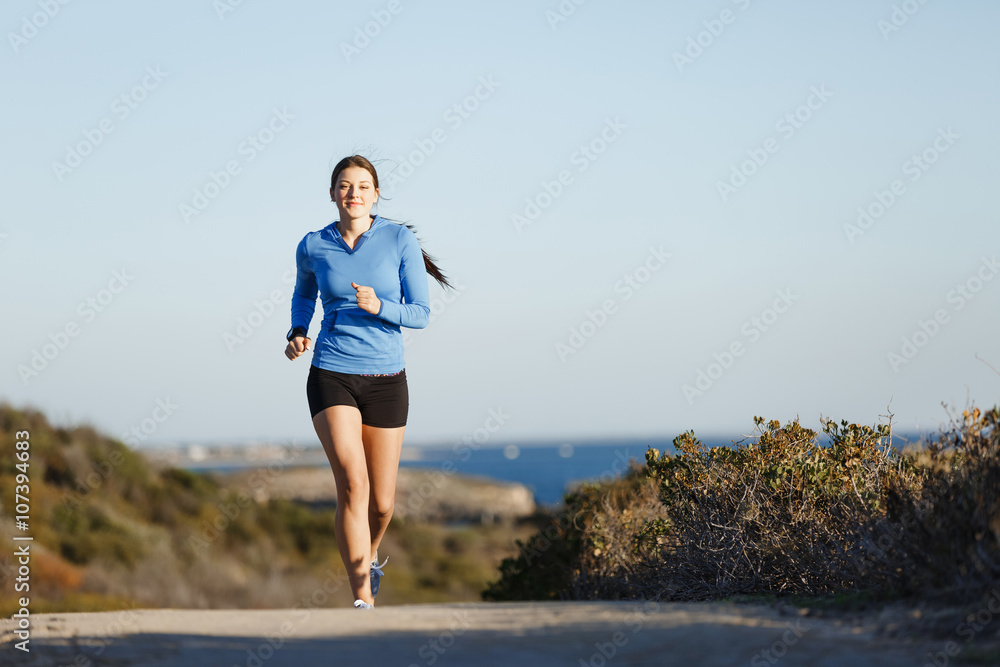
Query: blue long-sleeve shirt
{"type": "Point", "coordinates": [386, 258]}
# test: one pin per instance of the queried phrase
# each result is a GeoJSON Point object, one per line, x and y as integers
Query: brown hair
{"type": "Point", "coordinates": [364, 163]}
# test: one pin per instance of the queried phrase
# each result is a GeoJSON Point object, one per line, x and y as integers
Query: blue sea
{"type": "Point", "coordinates": [548, 469]}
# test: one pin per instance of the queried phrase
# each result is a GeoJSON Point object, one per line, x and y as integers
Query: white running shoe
{"type": "Point", "coordinates": [361, 604]}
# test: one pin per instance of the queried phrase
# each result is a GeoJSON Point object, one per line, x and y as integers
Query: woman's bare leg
{"type": "Point", "coordinates": [382, 447]}
{"type": "Point", "coordinates": [339, 429]}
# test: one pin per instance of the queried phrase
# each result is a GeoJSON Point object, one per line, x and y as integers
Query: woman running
{"type": "Point", "coordinates": [371, 276]}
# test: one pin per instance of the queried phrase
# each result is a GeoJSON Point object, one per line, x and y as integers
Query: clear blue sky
{"type": "Point", "coordinates": [828, 101]}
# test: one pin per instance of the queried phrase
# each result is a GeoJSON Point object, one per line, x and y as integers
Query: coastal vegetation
{"type": "Point", "coordinates": [781, 513]}
{"type": "Point", "coordinates": [786, 513]}
{"type": "Point", "coordinates": [111, 530]}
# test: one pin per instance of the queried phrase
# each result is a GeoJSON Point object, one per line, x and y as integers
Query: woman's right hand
{"type": "Point", "coordinates": [296, 347]}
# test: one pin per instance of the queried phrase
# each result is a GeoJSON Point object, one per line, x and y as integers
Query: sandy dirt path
{"type": "Point", "coordinates": [520, 634]}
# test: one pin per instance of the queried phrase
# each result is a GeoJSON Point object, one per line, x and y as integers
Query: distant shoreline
{"type": "Point", "coordinates": [712, 439]}
{"type": "Point", "coordinates": [548, 468]}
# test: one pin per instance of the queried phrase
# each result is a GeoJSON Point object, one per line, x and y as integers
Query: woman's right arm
{"type": "Point", "coordinates": [303, 302]}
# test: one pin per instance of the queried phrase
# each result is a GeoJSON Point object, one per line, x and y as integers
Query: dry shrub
{"type": "Point", "coordinates": [626, 534]}
{"type": "Point", "coordinates": [780, 513]}
{"type": "Point", "coordinates": [776, 513]}
{"type": "Point", "coordinates": [947, 529]}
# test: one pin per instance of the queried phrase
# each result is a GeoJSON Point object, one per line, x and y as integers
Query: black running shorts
{"type": "Point", "coordinates": [383, 400]}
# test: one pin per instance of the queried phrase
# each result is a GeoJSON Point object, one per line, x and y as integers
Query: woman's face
{"type": "Point", "coordinates": [354, 192]}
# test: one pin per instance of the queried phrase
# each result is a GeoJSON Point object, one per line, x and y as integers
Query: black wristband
{"type": "Point", "coordinates": [296, 331]}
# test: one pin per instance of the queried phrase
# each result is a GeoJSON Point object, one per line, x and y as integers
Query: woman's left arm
{"type": "Point", "coordinates": [415, 310]}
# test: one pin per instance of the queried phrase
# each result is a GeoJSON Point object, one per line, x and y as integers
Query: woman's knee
{"type": "Point", "coordinates": [381, 507]}
{"type": "Point", "coordinates": [353, 487]}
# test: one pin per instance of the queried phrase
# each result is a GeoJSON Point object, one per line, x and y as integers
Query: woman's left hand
{"type": "Point", "coordinates": [366, 299]}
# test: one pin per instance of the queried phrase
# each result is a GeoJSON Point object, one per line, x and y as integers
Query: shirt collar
{"type": "Point", "coordinates": [377, 222]}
